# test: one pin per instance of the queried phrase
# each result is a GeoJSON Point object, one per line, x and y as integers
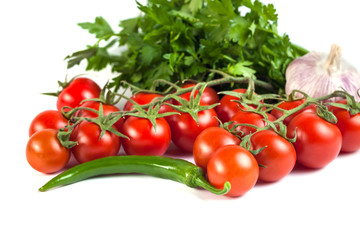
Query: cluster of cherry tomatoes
{"type": "Point", "coordinates": [215, 149]}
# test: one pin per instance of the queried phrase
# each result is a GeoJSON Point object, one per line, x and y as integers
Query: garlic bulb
{"type": "Point", "coordinates": [318, 74]}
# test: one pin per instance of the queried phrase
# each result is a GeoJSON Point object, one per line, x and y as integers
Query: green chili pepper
{"type": "Point", "coordinates": [164, 167]}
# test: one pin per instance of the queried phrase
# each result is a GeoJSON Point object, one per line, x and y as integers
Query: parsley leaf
{"type": "Point", "coordinates": [100, 27]}
{"type": "Point", "coordinates": [178, 39]}
{"type": "Point", "coordinates": [242, 69]}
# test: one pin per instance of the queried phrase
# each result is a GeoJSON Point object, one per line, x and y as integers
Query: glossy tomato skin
{"type": "Point", "coordinates": [89, 146]}
{"type": "Point", "coordinates": [318, 142]}
{"type": "Point", "coordinates": [51, 119]}
{"type": "Point", "coordinates": [107, 109]}
{"type": "Point", "coordinates": [255, 119]}
{"type": "Point", "coordinates": [349, 126]}
{"type": "Point", "coordinates": [78, 89]}
{"type": "Point", "coordinates": [208, 141]}
{"type": "Point", "coordinates": [278, 158]}
{"type": "Point", "coordinates": [291, 105]}
{"type": "Point", "coordinates": [234, 164]}
{"type": "Point", "coordinates": [143, 98]}
{"type": "Point", "coordinates": [334, 109]}
{"type": "Point", "coordinates": [227, 107]}
{"type": "Point", "coordinates": [208, 97]}
{"type": "Point", "coordinates": [184, 129]}
{"type": "Point", "coordinates": [45, 153]}
{"type": "Point", "coordinates": [143, 138]}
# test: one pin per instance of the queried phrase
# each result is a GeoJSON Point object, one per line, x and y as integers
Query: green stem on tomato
{"type": "Point", "coordinates": [277, 124]}
{"type": "Point", "coordinates": [70, 114]}
{"type": "Point", "coordinates": [226, 78]}
{"type": "Point", "coordinates": [171, 85]}
{"type": "Point", "coordinates": [220, 81]}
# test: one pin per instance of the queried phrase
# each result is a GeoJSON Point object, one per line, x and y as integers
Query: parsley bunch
{"type": "Point", "coordinates": [182, 39]}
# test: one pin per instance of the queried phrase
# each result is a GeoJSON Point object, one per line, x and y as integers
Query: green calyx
{"type": "Point", "coordinates": [104, 122]}
{"type": "Point", "coordinates": [62, 85]}
{"type": "Point", "coordinates": [107, 96]}
{"type": "Point", "coordinates": [192, 106]}
{"type": "Point", "coordinates": [152, 113]}
{"type": "Point", "coordinates": [64, 133]}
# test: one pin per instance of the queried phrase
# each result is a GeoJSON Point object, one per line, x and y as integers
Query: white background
{"type": "Point", "coordinates": [35, 38]}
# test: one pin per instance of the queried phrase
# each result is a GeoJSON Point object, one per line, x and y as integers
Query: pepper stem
{"type": "Point", "coordinates": [201, 182]}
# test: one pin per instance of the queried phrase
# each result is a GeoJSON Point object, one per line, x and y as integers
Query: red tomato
{"type": "Point", "coordinates": [228, 108]}
{"type": "Point", "coordinates": [107, 109]}
{"type": "Point", "coordinates": [143, 98]}
{"type": "Point", "coordinates": [334, 109]}
{"type": "Point", "coordinates": [51, 119]}
{"type": "Point", "coordinates": [45, 153]}
{"type": "Point", "coordinates": [208, 141]}
{"type": "Point", "coordinates": [349, 126]}
{"type": "Point", "coordinates": [208, 97]}
{"type": "Point", "coordinates": [78, 89]}
{"type": "Point", "coordinates": [184, 129]}
{"type": "Point", "coordinates": [278, 157]}
{"type": "Point", "coordinates": [249, 118]}
{"type": "Point", "coordinates": [291, 105]}
{"type": "Point", "coordinates": [89, 146]}
{"type": "Point", "coordinates": [234, 164]}
{"type": "Point", "coordinates": [318, 142]}
{"type": "Point", "coordinates": [143, 138]}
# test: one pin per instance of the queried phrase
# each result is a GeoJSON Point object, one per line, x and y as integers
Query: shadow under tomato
{"type": "Point", "coordinates": [300, 169]}
{"type": "Point", "coordinates": [174, 151]}
{"type": "Point", "coordinates": [72, 163]}
{"type": "Point", "coordinates": [261, 183]}
{"type": "Point", "coordinates": [346, 153]}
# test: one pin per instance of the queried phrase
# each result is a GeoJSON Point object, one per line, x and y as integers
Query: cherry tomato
{"type": "Point", "coordinates": [45, 153]}
{"type": "Point", "coordinates": [249, 118]}
{"type": "Point", "coordinates": [143, 98]}
{"type": "Point", "coordinates": [208, 97]}
{"type": "Point", "coordinates": [90, 146]}
{"type": "Point", "coordinates": [228, 108]}
{"type": "Point", "coordinates": [278, 157]}
{"type": "Point", "coordinates": [318, 142]}
{"type": "Point", "coordinates": [234, 164]}
{"type": "Point", "coordinates": [349, 126]}
{"type": "Point", "coordinates": [78, 89]}
{"type": "Point", "coordinates": [107, 109]}
{"type": "Point", "coordinates": [334, 109]}
{"type": "Point", "coordinates": [184, 129]}
{"type": "Point", "coordinates": [208, 141]}
{"type": "Point", "coordinates": [291, 105]}
{"type": "Point", "coordinates": [144, 139]}
{"type": "Point", "coordinates": [52, 119]}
